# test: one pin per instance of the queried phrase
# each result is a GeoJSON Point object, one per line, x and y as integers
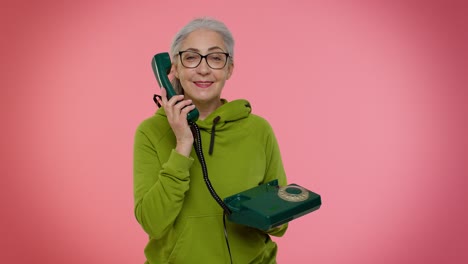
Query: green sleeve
{"type": "Point", "coordinates": [275, 170]}
{"type": "Point", "coordinates": [159, 185]}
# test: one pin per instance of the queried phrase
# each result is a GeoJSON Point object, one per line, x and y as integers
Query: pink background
{"type": "Point", "coordinates": [368, 100]}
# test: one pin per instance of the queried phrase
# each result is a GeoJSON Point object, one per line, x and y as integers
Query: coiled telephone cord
{"type": "Point", "coordinates": [199, 151]}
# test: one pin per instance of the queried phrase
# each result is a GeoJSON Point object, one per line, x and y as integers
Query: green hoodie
{"type": "Point", "coordinates": [172, 202]}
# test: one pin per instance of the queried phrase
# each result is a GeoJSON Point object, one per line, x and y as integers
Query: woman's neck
{"type": "Point", "coordinates": [205, 108]}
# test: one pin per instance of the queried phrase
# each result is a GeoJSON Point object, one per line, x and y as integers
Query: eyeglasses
{"type": "Point", "coordinates": [215, 60]}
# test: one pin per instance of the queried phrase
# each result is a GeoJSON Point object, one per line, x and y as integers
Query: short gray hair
{"type": "Point", "coordinates": [196, 24]}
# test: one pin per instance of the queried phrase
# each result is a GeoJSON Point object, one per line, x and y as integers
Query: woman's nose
{"type": "Point", "coordinates": [203, 68]}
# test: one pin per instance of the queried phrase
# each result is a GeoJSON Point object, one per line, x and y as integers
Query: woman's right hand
{"type": "Point", "coordinates": [176, 111]}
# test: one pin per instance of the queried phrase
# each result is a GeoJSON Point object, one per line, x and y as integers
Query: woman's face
{"type": "Point", "coordinates": [203, 84]}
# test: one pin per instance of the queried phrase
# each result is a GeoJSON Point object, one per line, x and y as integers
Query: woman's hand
{"type": "Point", "coordinates": [176, 111]}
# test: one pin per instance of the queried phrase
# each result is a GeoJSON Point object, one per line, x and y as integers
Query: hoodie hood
{"type": "Point", "coordinates": [228, 112]}
{"type": "Point", "coordinates": [222, 118]}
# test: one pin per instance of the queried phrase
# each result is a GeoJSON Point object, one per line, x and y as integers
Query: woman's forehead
{"type": "Point", "coordinates": [203, 40]}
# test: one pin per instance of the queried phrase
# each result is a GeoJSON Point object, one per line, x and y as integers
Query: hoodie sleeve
{"type": "Point", "coordinates": [159, 186]}
{"type": "Point", "coordinates": [274, 170]}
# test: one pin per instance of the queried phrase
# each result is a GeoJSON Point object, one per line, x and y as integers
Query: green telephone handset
{"type": "Point", "coordinates": [161, 64]}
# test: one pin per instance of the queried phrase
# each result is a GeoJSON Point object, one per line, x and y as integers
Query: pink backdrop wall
{"type": "Point", "coordinates": [368, 101]}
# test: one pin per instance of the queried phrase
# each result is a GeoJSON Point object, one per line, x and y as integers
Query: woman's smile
{"type": "Point", "coordinates": [203, 84]}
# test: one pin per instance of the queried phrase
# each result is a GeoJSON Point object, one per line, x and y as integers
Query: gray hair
{"type": "Point", "coordinates": [196, 24]}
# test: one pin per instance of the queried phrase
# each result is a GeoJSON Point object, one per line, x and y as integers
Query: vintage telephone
{"type": "Point", "coordinates": [268, 205]}
{"type": "Point", "coordinates": [265, 206]}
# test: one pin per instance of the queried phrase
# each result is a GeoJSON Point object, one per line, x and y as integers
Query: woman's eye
{"type": "Point", "coordinates": [216, 57]}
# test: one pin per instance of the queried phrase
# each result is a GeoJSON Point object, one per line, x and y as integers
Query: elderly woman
{"type": "Point", "coordinates": [172, 204]}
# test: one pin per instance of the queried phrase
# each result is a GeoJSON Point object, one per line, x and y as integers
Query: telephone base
{"type": "Point", "coordinates": [268, 205]}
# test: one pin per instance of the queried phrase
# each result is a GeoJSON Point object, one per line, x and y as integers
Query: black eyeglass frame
{"type": "Point", "coordinates": [204, 57]}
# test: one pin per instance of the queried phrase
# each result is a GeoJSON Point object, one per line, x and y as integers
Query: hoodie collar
{"type": "Point", "coordinates": [227, 112]}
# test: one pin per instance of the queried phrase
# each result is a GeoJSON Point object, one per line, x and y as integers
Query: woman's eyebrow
{"type": "Point", "coordinates": [215, 48]}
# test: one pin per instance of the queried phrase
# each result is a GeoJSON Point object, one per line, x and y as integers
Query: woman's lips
{"type": "Point", "coordinates": [203, 84]}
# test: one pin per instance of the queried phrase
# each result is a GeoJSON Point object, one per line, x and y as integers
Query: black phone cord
{"type": "Point", "coordinates": [198, 149]}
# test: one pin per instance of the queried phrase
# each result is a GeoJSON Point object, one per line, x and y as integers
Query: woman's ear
{"type": "Point", "coordinates": [230, 70]}
{"type": "Point", "coordinates": [174, 71]}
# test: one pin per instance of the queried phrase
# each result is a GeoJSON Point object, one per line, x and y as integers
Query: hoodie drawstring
{"type": "Point", "coordinates": [213, 131]}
